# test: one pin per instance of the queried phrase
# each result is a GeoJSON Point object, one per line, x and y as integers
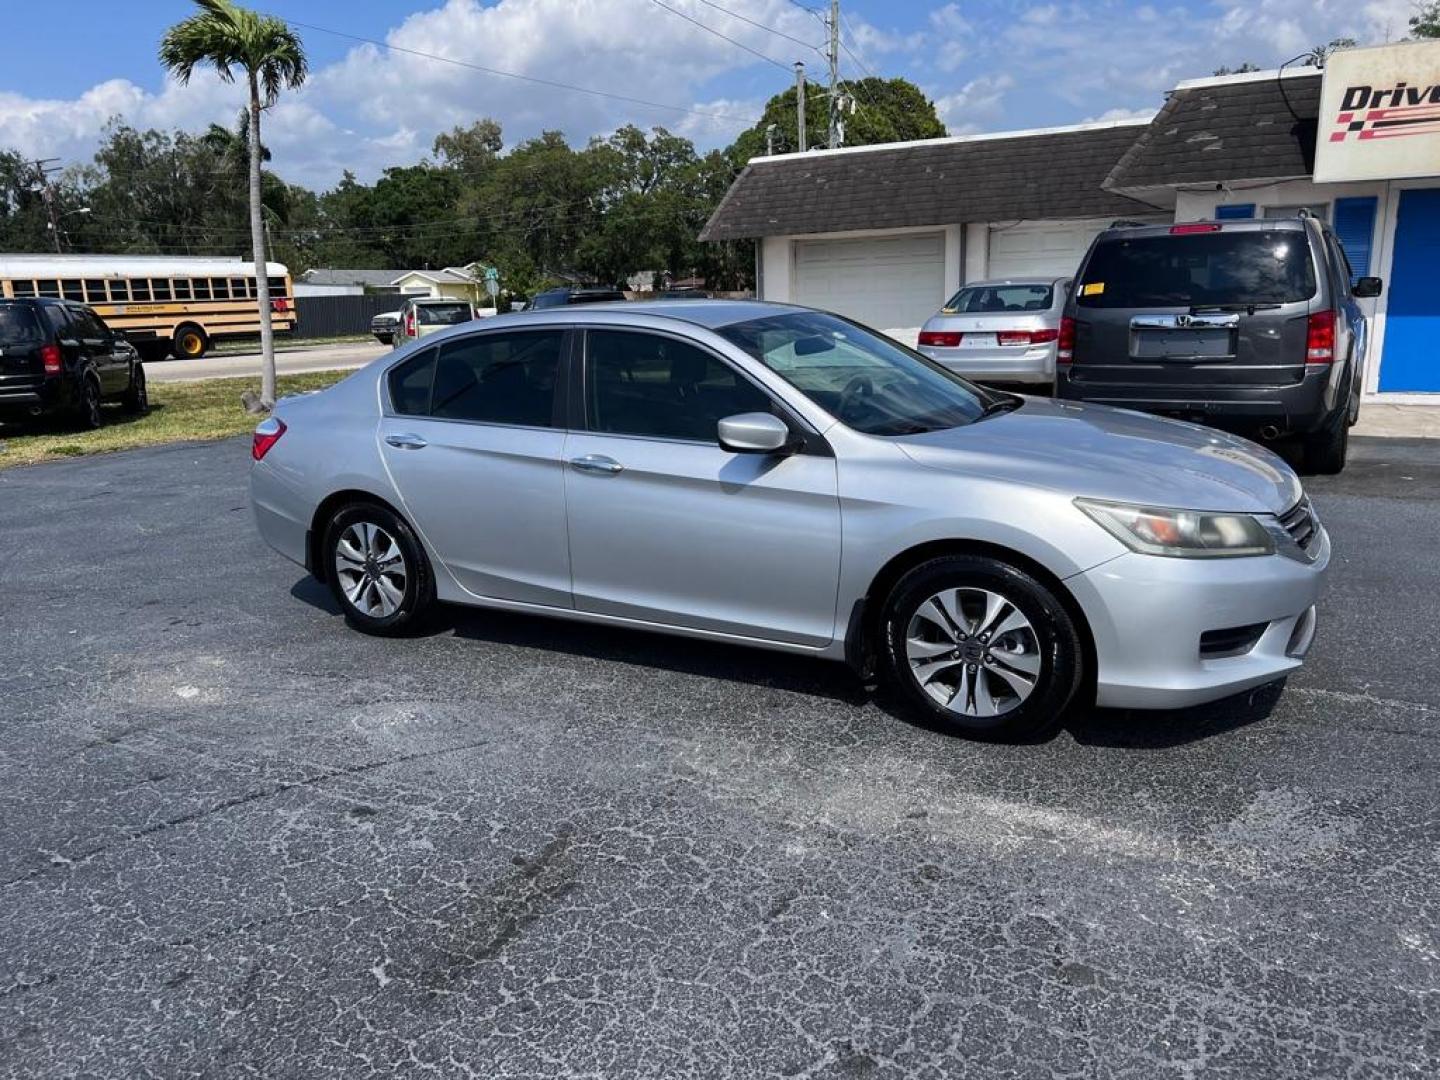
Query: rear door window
{"type": "Point", "coordinates": [980, 299]}
{"type": "Point", "coordinates": [1240, 267]}
{"type": "Point", "coordinates": [18, 325]}
{"type": "Point", "coordinates": [410, 384]}
{"type": "Point", "coordinates": [501, 378]}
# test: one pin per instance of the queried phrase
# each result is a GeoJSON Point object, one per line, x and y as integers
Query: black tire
{"type": "Point", "coordinates": [416, 592]}
{"type": "Point", "coordinates": [189, 342]}
{"type": "Point", "coordinates": [1326, 450]}
{"type": "Point", "coordinates": [137, 398]}
{"type": "Point", "coordinates": [1050, 642]}
{"type": "Point", "coordinates": [87, 408]}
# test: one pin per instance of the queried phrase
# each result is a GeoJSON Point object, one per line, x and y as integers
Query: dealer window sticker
{"type": "Point", "coordinates": [1095, 288]}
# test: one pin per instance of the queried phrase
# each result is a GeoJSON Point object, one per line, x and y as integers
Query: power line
{"type": "Point", "coordinates": [723, 37]}
{"type": "Point", "coordinates": [711, 114]}
{"type": "Point", "coordinates": [854, 55]}
{"type": "Point", "coordinates": [760, 25]}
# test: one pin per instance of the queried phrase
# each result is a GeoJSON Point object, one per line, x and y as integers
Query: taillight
{"type": "Point", "coordinates": [1065, 341]}
{"type": "Point", "coordinates": [1198, 227]}
{"type": "Point", "coordinates": [281, 304]}
{"type": "Point", "coordinates": [1320, 338]}
{"type": "Point", "coordinates": [1026, 337]}
{"type": "Point", "coordinates": [267, 434]}
{"type": "Point", "coordinates": [50, 358]}
{"type": "Point", "coordinates": [410, 323]}
{"type": "Point", "coordinates": [943, 339]}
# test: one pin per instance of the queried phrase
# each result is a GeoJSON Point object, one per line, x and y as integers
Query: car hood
{"type": "Point", "coordinates": [1107, 453]}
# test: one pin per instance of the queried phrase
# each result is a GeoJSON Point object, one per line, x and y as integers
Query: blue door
{"type": "Point", "coordinates": [1411, 360]}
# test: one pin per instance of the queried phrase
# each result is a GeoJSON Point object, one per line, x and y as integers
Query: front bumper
{"type": "Point", "coordinates": [1147, 615]}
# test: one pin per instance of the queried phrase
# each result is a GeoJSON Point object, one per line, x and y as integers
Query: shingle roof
{"type": "Point", "coordinates": [1049, 174]}
{"type": "Point", "coordinates": [332, 276]}
{"type": "Point", "coordinates": [1247, 129]}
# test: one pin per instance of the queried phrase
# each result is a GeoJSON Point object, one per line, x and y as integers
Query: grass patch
{"type": "Point", "coordinates": [178, 412]}
{"type": "Point", "coordinates": [284, 343]}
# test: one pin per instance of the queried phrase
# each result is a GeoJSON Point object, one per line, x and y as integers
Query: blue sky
{"type": "Point", "coordinates": [989, 65]}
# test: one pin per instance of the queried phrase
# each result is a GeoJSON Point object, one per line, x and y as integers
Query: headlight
{"type": "Point", "coordinates": [1185, 534]}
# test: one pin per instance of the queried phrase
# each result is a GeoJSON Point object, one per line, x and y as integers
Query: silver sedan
{"type": "Point", "coordinates": [1002, 331]}
{"type": "Point", "coordinates": [783, 478]}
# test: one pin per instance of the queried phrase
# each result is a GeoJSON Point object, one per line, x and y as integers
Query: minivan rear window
{"type": "Point", "coordinates": [442, 314]}
{"type": "Point", "coordinates": [18, 325]}
{"type": "Point", "coordinates": [981, 299]}
{"type": "Point", "coordinates": [1250, 267]}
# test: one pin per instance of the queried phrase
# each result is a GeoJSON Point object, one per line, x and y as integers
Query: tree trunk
{"type": "Point", "coordinates": [257, 243]}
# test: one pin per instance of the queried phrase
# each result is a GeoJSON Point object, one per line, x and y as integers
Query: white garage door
{"type": "Point", "coordinates": [1040, 248]}
{"type": "Point", "coordinates": [886, 282]}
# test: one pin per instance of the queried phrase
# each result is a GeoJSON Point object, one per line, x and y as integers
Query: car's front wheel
{"type": "Point", "coordinates": [377, 570]}
{"type": "Point", "coordinates": [982, 647]}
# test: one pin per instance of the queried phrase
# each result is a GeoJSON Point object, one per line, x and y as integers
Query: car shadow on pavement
{"type": "Point", "coordinates": [1118, 728]}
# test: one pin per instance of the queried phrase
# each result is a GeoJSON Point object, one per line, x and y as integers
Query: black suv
{"type": "Point", "coordinates": [58, 356]}
{"type": "Point", "coordinates": [1245, 325]}
{"type": "Point", "coordinates": [576, 294]}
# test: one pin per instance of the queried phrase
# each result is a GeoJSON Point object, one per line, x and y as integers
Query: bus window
{"type": "Point", "coordinates": [48, 287]}
{"type": "Point", "coordinates": [94, 291]}
{"type": "Point", "coordinates": [119, 291]}
{"type": "Point", "coordinates": [22, 288]}
{"type": "Point", "coordinates": [139, 289]}
{"type": "Point", "coordinates": [73, 289]}
{"type": "Point", "coordinates": [182, 288]}
{"type": "Point", "coordinates": [237, 288]}
{"type": "Point", "coordinates": [202, 288]}
{"type": "Point", "coordinates": [160, 287]}
{"type": "Point", "coordinates": [219, 288]}
{"type": "Point", "coordinates": [277, 286]}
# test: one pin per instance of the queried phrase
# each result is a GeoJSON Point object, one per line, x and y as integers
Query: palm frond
{"type": "Point", "coordinates": [225, 36]}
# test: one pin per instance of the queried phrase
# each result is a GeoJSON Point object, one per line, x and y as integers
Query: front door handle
{"type": "Point", "coordinates": [406, 441]}
{"type": "Point", "coordinates": [598, 464]}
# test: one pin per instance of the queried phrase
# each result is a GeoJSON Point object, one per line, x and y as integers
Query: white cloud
{"type": "Point", "coordinates": [975, 105]}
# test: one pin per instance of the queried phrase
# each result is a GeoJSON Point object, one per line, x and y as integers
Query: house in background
{"type": "Point", "coordinates": [327, 281]}
{"type": "Point", "coordinates": [454, 282]}
{"type": "Point", "coordinates": [884, 234]}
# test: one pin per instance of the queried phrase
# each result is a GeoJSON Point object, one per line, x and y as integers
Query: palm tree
{"type": "Point", "coordinates": [228, 37]}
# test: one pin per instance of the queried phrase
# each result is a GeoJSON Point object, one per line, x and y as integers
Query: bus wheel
{"type": "Point", "coordinates": [189, 342]}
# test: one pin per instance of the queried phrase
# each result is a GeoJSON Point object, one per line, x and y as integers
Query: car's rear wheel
{"type": "Point", "coordinates": [377, 570]}
{"type": "Point", "coordinates": [137, 397]}
{"type": "Point", "coordinates": [87, 409]}
{"type": "Point", "coordinates": [1326, 449]}
{"type": "Point", "coordinates": [981, 647]}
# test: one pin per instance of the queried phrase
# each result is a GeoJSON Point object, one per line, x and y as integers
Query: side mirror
{"type": "Point", "coordinates": [1367, 287]}
{"type": "Point", "coordinates": [754, 433]}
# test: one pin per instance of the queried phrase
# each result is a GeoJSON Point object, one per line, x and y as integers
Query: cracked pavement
{"type": "Point", "coordinates": [240, 840]}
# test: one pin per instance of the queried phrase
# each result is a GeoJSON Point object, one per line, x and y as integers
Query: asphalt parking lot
{"type": "Point", "coordinates": [241, 840]}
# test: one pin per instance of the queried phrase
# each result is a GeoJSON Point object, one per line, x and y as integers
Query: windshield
{"type": "Point", "coordinates": [980, 299]}
{"type": "Point", "coordinates": [1252, 267]}
{"type": "Point", "coordinates": [866, 381]}
{"type": "Point", "coordinates": [442, 314]}
{"type": "Point", "coordinates": [17, 325]}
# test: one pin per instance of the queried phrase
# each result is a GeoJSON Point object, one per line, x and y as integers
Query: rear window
{"type": "Point", "coordinates": [442, 314]}
{"type": "Point", "coordinates": [18, 325]}
{"type": "Point", "coordinates": [979, 299]}
{"type": "Point", "coordinates": [1250, 267]}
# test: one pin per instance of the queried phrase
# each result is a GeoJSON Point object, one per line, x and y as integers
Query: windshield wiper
{"type": "Point", "coordinates": [1001, 405]}
{"type": "Point", "coordinates": [1249, 309]}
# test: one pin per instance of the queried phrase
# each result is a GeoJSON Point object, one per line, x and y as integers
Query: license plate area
{"type": "Point", "coordinates": [1208, 344]}
{"type": "Point", "coordinates": [972, 340]}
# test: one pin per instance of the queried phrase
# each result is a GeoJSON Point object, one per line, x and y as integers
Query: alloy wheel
{"type": "Point", "coordinates": [973, 651]}
{"type": "Point", "coordinates": [371, 570]}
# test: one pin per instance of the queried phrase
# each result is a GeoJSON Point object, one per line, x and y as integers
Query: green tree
{"type": "Point", "coordinates": [226, 37]}
{"type": "Point", "coordinates": [1425, 23]}
{"type": "Point", "coordinates": [886, 110]}
{"type": "Point", "coordinates": [1243, 67]}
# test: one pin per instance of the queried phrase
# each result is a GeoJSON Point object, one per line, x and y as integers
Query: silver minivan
{"type": "Point", "coordinates": [999, 331]}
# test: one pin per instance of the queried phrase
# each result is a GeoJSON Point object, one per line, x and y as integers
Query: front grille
{"type": "Point", "coordinates": [1232, 641]}
{"type": "Point", "coordinates": [1299, 521]}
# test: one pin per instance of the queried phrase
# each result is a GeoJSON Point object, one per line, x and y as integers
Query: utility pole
{"type": "Point", "coordinates": [43, 168]}
{"type": "Point", "coordinates": [800, 101]}
{"type": "Point", "coordinates": [833, 25]}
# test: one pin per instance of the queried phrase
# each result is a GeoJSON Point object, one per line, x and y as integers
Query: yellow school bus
{"type": "Point", "coordinates": [164, 304]}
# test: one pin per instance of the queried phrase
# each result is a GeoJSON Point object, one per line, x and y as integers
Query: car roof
{"type": "Point", "coordinates": [1295, 224]}
{"type": "Point", "coordinates": [710, 314]}
{"type": "Point", "coordinates": [1046, 279]}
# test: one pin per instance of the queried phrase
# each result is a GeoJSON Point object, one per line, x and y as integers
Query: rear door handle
{"type": "Point", "coordinates": [406, 441]}
{"type": "Point", "coordinates": [598, 464]}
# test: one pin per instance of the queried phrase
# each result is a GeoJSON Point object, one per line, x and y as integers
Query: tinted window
{"type": "Point", "coordinates": [645, 384]}
{"type": "Point", "coordinates": [982, 298]}
{"type": "Point", "coordinates": [160, 288]}
{"type": "Point", "coordinates": [866, 380]}
{"type": "Point", "coordinates": [57, 320]}
{"type": "Point", "coordinates": [442, 314]}
{"type": "Point", "coordinates": [73, 289]}
{"type": "Point", "coordinates": [140, 289]}
{"type": "Point", "coordinates": [1199, 268]}
{"type": "Point", "coordinates": [120, 291]}
{"type": "Point", "coordinates": [410, 384]}
{"type": "Point", "coordinates": [18, 325]}
{"type": "Point", "coordinates": [499, 378]}
{"type": "Point", "coordinates": [88, 325]}
{"type": "Point", "coordinates": [595, 296]}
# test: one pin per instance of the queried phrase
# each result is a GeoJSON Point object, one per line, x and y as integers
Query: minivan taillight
{"type": "Point", "coordinates": [410, 323]}
{"type": "Point", "coordinates": [50, 359]}
{"type": "Point", "coordinates": [1065, 341]}
{"type": "Point", "coordinates": [1320, 338]}
{"type": "Point", "coordinates": [267, 434]}
{"type": "Point", "coordinates": [940, 339]}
